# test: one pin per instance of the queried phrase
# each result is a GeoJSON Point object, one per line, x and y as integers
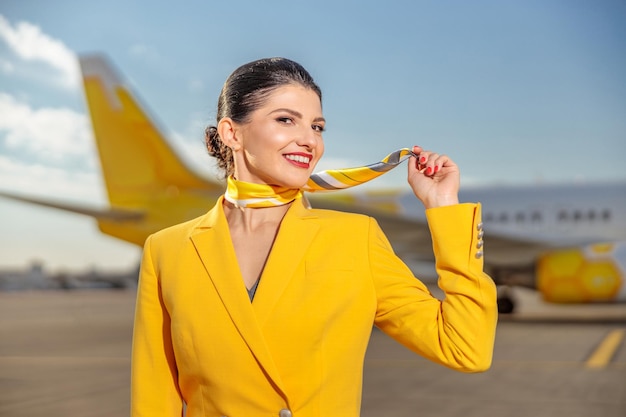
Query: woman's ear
{"type": "Point", "coordinates": [227, 130]}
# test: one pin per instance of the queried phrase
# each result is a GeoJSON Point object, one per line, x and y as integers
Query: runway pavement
{"type": "Point", "coordinates": [67, 354]}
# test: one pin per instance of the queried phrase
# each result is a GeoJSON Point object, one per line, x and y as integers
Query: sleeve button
{"type": "Point", "coordinates": [284, 413]}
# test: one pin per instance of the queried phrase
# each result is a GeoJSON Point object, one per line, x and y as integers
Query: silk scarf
{"type": "Point", "coordinates": [245, 194]}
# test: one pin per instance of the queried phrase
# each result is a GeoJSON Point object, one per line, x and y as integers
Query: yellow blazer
{"type": "Point", "coordinates": [298, 348]}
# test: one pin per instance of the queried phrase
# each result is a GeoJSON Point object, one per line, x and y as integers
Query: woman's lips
{"type": "Point", "coordinates": [299, 159]}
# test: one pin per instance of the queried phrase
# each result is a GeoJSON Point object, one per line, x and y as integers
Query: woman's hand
{"type": "Point", "coordinates": [434, 178]}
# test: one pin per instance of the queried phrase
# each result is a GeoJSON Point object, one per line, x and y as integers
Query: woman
{"type": "Point", "coordinates": [264, 307]}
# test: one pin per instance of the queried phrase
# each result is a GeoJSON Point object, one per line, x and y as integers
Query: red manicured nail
{"type": "Point", "coordinates": [422, 159]}
{"type": "Point", "coordinates": [436, 168]}
{"type": "Point", "coordinates": [428, 171]}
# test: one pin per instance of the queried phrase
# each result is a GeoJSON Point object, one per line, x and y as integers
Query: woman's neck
{"type": "Point", "coordinates": [252, 219]}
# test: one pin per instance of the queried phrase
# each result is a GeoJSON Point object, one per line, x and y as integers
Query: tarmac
{"type": "Point", "coordinates": [67, 353]}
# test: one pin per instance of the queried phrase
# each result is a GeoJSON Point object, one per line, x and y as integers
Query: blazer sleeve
{"type": "Point", "coordinates": [458, 331]}
{"type": "Point", "coordinates": [154, 379]}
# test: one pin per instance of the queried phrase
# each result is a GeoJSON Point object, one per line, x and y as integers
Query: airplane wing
{"type": "Point", "coordinates": [111, 214]}
{"type": "Point", "coordinates": [401, 218]}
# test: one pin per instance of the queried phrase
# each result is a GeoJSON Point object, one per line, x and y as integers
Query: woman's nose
{"type": "Point", "coordinates": [308, 137]}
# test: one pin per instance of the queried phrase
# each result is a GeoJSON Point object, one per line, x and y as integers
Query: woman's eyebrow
{"type": "Point", "coordinates": [290, 111]}
{"type": "Point", "coordinates": [296, 114]}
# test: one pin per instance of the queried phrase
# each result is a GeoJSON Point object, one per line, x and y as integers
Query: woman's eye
{"type": "Point", "coordinates": [318, 128]}
{"type": "Point", "coordinates": [285, 120]}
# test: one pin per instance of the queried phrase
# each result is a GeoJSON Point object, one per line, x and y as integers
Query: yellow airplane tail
{"type": "Point", "coordinates": [141, 171]}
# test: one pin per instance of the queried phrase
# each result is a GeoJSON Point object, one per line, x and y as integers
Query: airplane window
{"type": "Point", "coordinates": [562, 215]}
{"type": "Point", "coordinates": [606, 215]}
{"type": "Point", "coordinates": [488, 217]}
{"type": "Point", "coordinates": [577, 215]}
{"type": "Point", "coordinates": [591, 215]}
{"type": "Point", "coordinates": [519, 217]}
{"type": "Point", "coordinates": [536, 216]}
{"type": "Point", "coordinates": [503, 217]}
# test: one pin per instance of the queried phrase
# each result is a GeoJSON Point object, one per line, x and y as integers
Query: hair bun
{"type": "Point", "coordinates": [211, 132]}
{"type": "Point", "coordinates": [212, 139]}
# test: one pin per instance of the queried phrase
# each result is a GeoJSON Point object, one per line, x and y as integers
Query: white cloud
{"type": "Point", "coordinates": [31, 44]}
{"type": "Point", "coordinates": [35, 179]}
{"type": "Point", "coordinates": [48, 134]}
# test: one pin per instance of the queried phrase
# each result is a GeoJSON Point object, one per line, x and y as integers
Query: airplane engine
{"type": "Point", "coordinates": [593, 273]}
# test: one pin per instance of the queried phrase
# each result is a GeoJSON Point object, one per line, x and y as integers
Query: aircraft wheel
{"type": "Point", "coordinates": [506, 304]}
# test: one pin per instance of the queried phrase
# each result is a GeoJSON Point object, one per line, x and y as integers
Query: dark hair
{"type": "Point", "coordinates": [245, 90]}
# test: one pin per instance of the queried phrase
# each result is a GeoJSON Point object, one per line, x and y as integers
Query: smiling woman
{"type": "Point", "coordinates": [247, 89]}
{"type": "Point", "coordinates": [282, 296]}
{"type": "Point", "coordinates": [278, 144]}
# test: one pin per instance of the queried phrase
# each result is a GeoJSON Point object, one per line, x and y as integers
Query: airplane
{"type": "Point", "coordinates": [566, 241]}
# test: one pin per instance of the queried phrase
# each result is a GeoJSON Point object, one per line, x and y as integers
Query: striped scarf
{"type": "Point", "coordinates": [246, 194]}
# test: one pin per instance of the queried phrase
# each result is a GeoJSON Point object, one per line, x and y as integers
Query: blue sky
{"type": "Point", "coordinates": [515, 91]}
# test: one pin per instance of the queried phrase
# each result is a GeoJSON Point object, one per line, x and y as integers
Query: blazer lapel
{"type": "Point", "coordinates": [294, 237]}
{"type": "Point", "coordinates": [224, 272]}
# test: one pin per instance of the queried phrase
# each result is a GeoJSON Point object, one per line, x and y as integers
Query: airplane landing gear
{"type": "Point", "coordinates": [506, 301]}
